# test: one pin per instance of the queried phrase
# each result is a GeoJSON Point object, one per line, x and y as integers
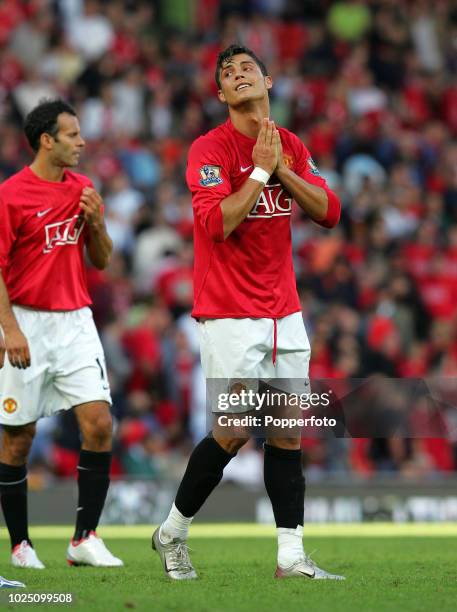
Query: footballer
{"type": "Point", "coordinates": [245, 176]}
{"type": "Point", "coordinates": [51, 357]}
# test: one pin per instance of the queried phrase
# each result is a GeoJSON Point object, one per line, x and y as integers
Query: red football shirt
{"type": "Point", "coordinates": [42, 241]}
{"type": "Point", "coordinates": [250, 274]}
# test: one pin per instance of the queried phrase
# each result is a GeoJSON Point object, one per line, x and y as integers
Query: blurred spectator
{"type": "Point", "coordinates": [90, 32]}
{"type": "Point", "coordinates": [371, 89]}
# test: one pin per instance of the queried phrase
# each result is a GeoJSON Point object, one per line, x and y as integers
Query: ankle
{"type": "Point", "coordinates": [176, 525]}
{"type": "Point", "coordinates": [290, 545]}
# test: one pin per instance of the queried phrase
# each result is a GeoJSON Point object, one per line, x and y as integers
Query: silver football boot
{"type": "Point", "coordinates": [175, 558]}
{"type": "Point", "coordinates": [306, 567]}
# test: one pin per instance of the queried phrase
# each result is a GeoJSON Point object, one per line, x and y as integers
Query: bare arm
{"type": "Point", "coordinates": [13, 342]}
{"type": "Point", "coordinates": [236, 207]}
{"type": "Point", "coordinates": [100, 245]}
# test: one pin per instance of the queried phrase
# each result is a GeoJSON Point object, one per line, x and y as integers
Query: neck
{"type": "Point", "coordinates": [44, 170]}
{"type": "Point", "coordinates": [247, 119]}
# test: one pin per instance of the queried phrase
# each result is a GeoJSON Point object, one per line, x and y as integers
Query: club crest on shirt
{"type": "Point", "coordinates": [312, 167]}
{"type": "Point", "coordinates": [9, 405]}
{"type": "Point", "coordinates": [210, 176]}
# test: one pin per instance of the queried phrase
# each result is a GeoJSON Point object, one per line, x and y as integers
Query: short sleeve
{"type": "Point", "coordinates": [208, 179]}
{"type": "Point", "coordinates": [9, 225]}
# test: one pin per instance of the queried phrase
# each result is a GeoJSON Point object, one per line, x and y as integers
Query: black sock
{"type": "Point", "coordinates": [285, 485]}
{"type": "Point", "coordinates": [13, 490]}
{"type": "Point", "coordinates": [203, 473]}
{"type": "Point", "coordinates": [93, 483]}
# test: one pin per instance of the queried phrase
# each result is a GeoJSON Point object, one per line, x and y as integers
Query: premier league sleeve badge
{"type": "Point", "coordinates": [210, 176]}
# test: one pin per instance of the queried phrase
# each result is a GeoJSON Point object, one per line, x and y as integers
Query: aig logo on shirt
{"type": "Point", "coordinates": [271, 203]}
{"type": "Point", "coordinates": [63, 232]}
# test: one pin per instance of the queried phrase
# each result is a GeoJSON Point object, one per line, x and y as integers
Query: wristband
{"type": "Point", "coordinates": [259, 174]}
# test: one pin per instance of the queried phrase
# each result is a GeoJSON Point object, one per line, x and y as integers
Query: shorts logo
{"type": "Point", "coordinates": [63, 232]}
{"type": "Point", "coordinates": [210, 176]}
{"type": "Point", "coordinates": [9, 405]}
{"type": "Point", "coordinates": [312, 167]}
{"type": "Point", "coordinates": [105, 386]}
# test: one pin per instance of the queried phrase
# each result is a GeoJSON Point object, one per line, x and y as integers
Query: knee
{"type": "Point", "coordinates": [285, 443]}
{"type": "Point", "coordinates": [97, 432]}
{"type": "Point", "coordinates": [16, 444]}
{"type": "Point", "coordinates": [231, 445]}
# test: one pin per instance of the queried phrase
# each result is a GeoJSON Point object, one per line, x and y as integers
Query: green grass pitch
{"type": "Point", "coordinates": [388, 568]}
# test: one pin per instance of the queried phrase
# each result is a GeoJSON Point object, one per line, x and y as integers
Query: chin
{"type": "Point", "coordinates": [248, 96]}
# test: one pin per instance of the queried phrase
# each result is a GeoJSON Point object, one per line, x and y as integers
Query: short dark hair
{"type": "Point", "coordinates": [229, 53]}
{"type": "Point", "coordinates": [43, 120]}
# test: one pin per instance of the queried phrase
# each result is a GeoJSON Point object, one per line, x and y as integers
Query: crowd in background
{"type": "Point", "coordinates": [371, 89]}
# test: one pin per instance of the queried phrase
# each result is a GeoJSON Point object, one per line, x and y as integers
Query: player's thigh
{"type": "Point", "coordinates": [233, 347]}
{"type": "Point", "coordinates": [80, 375]}
{"type": "Point", "coordinates": [21, 393]}
{"type": "Point", "coordinates": [231, 351]}
{"type": "Point", "coordinates": [287, 384]}
{"type": "Point", "coordinates": [291, 370]}
{"type": "Point", "coordinates": [294, 349]}
{"type": "Point", "coordinates": [85, 384]}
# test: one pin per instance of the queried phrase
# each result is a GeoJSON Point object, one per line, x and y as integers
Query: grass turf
{"type": "Point", "coordinates": [388, 568]}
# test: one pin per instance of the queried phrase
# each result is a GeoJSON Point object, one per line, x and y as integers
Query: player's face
{"type": "Point", "coordinates": [242, 81]}
{"type": "Point", "coordinates": [68, 143]}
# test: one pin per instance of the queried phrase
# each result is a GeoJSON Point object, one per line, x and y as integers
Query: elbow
{"type": "Point", "coordinates": [107, 260]}
{"type": "Point", "coordinates": [333, 213]}
{"type": "Point", "coordinates": [226, 233]}
{"type": "Point", "coordinates": [329, 223]}
{"type": "Point", "coordinates": [219, 236]}
{"type": "Point", "coordinates": [101, 262]}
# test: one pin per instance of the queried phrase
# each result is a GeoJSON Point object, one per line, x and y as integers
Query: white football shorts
{"type": "Point", "coordinates": [67, 366]}
{"type": "Point", "coordinates": [249, 351]}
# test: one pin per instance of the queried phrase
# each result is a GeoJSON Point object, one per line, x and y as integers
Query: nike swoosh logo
{"type": "Point", "coordinates": [43, 212]}
{"type": "Point", "coordinates": [242, 169]}
{"type": "Point", "coordinates": [307, 575]}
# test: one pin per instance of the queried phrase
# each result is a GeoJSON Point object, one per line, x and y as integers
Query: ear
{"type": "Point", "coordinates": [221, 96]}
{"type": "Point", "coordinates": [46, 141]}
{"type": "Point", "coordinates": [268, 82]}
